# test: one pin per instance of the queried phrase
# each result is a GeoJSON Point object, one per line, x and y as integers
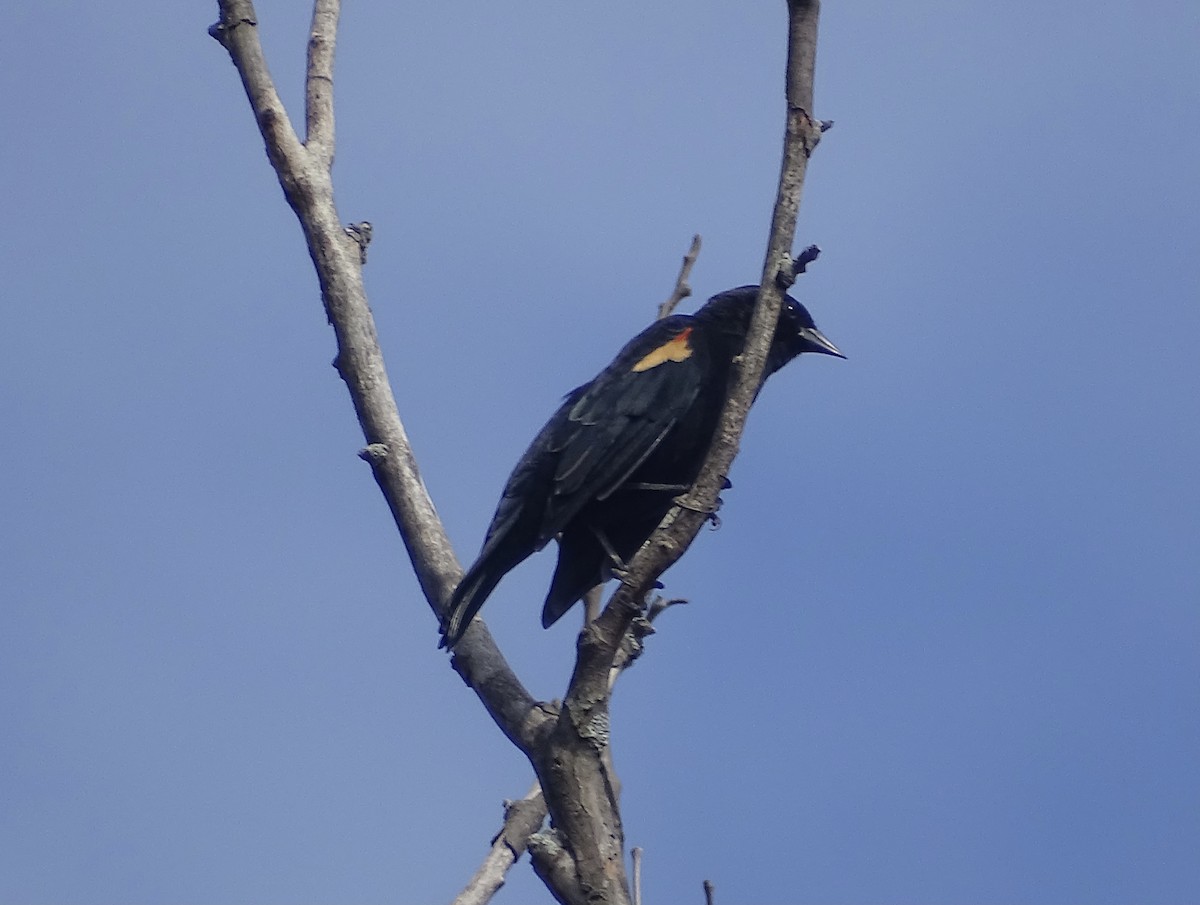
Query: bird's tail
{"type": "Point", "coordinates": [581, 562]}
{"type": "Point", "coordinates": [472, 592]}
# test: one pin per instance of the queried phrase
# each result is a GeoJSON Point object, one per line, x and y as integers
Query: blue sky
{"type": "Point", "coordinates": [945, 647]}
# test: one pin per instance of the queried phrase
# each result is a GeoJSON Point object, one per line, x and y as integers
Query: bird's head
{"type": "Point", "coordinates": [795, 333]}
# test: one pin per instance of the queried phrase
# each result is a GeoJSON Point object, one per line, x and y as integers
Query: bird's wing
{"type": "Point", "coordinates": [618, 419]}
{"type": "Point", "coordinates": [530, 483]}
{"type": "Point", "coordinates": [599, 435]}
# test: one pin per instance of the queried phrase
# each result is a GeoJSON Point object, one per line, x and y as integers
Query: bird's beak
{"type": "Point", "coordinates": [815, 341]}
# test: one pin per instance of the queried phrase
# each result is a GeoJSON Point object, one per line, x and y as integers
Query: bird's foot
{"type": "Point", "coordinates": [616, 563]}
{"type": "Point", "coordinates": [687, 501]}
{"type": "Point", "coordinates": [709, 512]}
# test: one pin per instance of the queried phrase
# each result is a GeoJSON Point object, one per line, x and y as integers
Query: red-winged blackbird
{"type": "Point", "coordinates": [609, 464]}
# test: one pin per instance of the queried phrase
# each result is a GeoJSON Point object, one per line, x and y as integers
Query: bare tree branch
{"type": "Point", "coordinates": [304, 174]}
{"type": "Point", "coordinates": [599, 643]}
{"type": "Point", "coordinates": [709, 893]}
{"type": "Point", "coordinates": [553, 864]}
{"type": "Point", "coordinates": [579, 794]}
{"type": "Point", "coordinates": [521, 820]}
{"type": "Point", "coordinates": [237, 30]}
{"type": "Point", "coordinates": [682, 289]}
{"type": "Point", "coordinates": [635, 855]}
{"type": "Point", "coordinates": [593, 600]}
{"type": "Point", "coordinates": [318, 81]}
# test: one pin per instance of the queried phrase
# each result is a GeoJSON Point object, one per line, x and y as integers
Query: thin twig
{"type": "Point", "coordinates": [800, 264]}
{"type": "Point", "coordinates": [660, 605]}
{"type": "Point", "coordinates": [522, 819]}
{"type": "Point", "coordinates": [709, 893]}
{"type": "Point", "coordinates": [636, 854]}
{"type": "Point", "coordinates": [682, 289]}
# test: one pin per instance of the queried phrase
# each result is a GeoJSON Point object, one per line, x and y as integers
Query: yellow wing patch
{"type": "Point", "coordinates": [675, 349]}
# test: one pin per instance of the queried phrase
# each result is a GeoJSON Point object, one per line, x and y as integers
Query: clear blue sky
{"type": "Point", "coordinates": [945, 647]}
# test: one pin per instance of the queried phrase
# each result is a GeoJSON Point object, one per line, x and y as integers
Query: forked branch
{"type": "Point", "coordinates": [567, 747]}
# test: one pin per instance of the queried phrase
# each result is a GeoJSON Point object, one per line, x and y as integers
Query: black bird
{"type": "Point", "coordinates": [610, 462]}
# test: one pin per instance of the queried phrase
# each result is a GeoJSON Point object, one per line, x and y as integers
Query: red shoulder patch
{"type": "Point", "coordinates": [677, 348]}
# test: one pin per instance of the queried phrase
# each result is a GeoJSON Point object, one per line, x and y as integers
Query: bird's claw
{"type": "Point", "coordinates": [709, 512]}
